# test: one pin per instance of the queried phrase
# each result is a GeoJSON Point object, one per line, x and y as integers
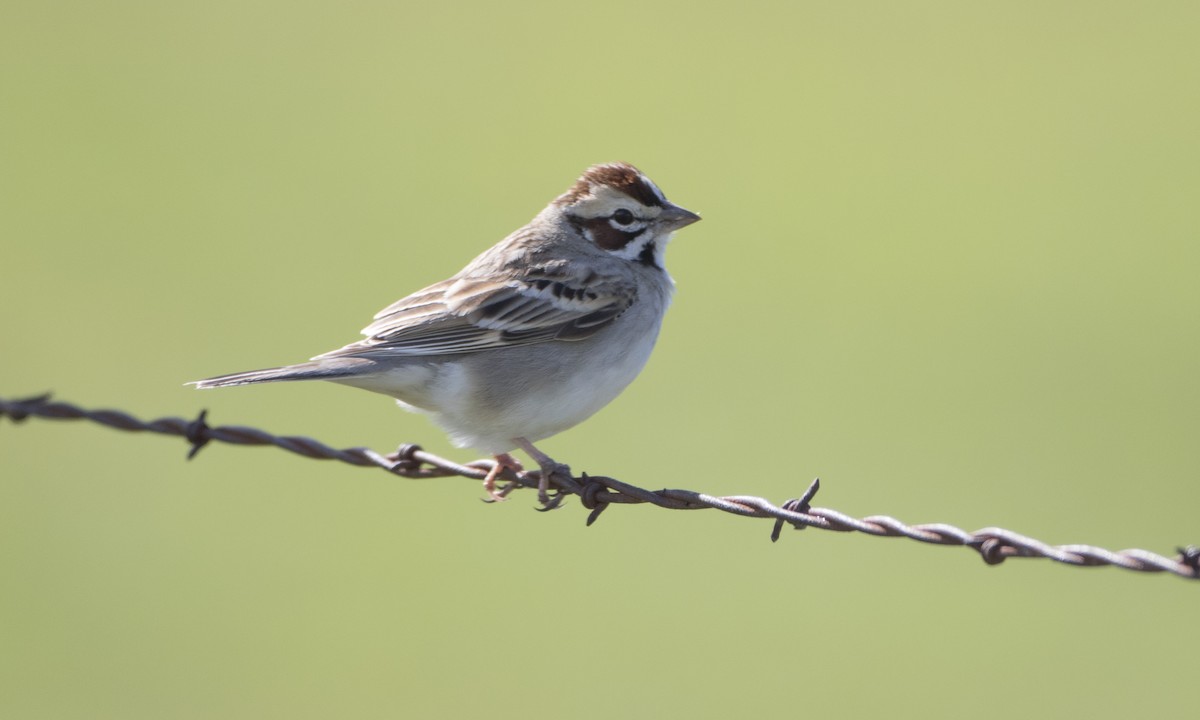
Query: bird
{"type": "Point", "coordinates": [530, 338]}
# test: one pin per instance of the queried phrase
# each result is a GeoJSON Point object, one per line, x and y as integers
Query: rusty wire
{"type": "Point", "coordinates": [597, 493]}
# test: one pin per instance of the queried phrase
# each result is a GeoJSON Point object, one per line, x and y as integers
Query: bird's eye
{"type": "Point", "coordinates": [623, 216]}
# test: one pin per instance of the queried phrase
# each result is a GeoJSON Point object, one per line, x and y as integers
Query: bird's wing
{"type": "Point", "coordinates": [469, 314]}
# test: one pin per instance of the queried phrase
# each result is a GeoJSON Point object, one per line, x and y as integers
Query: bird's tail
{"type": "Point", "coordinates": [304, 371]}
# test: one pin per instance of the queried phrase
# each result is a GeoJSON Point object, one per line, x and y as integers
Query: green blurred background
{"type": "Point", "coordinates": [948, 264]}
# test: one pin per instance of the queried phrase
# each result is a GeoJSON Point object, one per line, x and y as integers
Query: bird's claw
{"type": "Point", "coordinates": [502, 462]}
{"type": "Point", "coordinates": [551, 502]}
{"type": "Point", "coordinates": [549, 470]}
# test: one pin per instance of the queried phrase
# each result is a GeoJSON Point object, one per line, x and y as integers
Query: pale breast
{"type": "Point", "coordinates": [486, 400]}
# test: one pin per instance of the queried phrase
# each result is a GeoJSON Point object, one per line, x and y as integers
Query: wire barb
{"type": "Point", "coordinates": [1190, 556]}
{"type": "Point", "coordinates": [597, 493]}
{"type": "Point", "coordinates": [798, 505]}
{"type": "Point", "coordinates": [197, 434]}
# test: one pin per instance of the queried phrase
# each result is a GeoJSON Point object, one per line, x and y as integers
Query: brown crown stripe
{"type": "Point", "coordinates": [619, 176]}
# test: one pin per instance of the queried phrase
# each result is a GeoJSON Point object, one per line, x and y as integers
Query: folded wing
{"type": "Point", "coordinates": [463, 315]}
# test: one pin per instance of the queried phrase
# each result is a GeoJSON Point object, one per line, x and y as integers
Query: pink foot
{"type": "Point", "coordinates": [503, 461]}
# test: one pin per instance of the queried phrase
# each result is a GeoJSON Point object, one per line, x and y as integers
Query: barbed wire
{"type": "Point", "coordinates": [597, 493]}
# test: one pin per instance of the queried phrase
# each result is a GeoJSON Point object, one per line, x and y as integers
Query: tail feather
{"type": "Point", "coordinates": [304, 371]}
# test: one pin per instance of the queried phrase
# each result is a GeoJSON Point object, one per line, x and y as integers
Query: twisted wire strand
{"type": "Point", "coordinates": [597, 493]}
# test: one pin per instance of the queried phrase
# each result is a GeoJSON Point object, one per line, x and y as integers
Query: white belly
{"type": "Point", "coordinates": [485, 400]}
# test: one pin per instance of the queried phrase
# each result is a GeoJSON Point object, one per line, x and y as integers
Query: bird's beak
{"type": "Point", "coordinates": [674, 217]}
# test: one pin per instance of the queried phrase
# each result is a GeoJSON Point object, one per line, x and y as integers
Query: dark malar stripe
{"type": "Point", "coordinates": [647, 256]}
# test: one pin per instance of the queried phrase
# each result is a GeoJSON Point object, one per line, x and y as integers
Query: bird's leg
{"type": "Point", "coordinates": [548, 467]}
{"type": "Point", "coordinates": [503, 461]}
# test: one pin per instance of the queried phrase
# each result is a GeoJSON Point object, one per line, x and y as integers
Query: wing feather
{"type": "Point", "coordinates": [465, 314]}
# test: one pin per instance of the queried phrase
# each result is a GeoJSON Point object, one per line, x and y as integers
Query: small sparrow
{"type": "Point", "coordinates": [530, 338]}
